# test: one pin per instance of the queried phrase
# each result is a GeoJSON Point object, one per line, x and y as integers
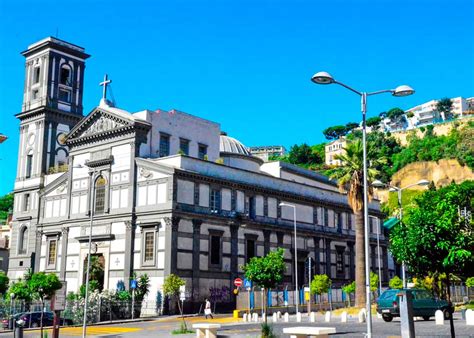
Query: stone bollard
{"type": "Point", "coordinates": [286, 317]}
{"type": "Point", "coordinates": [327, 317]}
{"type": "Point", "coordinates": [275, 317]}
{"type": "Point", "coordinates": [469, 317]}
{"type": "Point", "coordinates": [298, 317]}
{"type": "Point", "coordinates": [312, 317]}
{"type": "Point", "coordinates": [361, 316]}
{"type": "Point", "coordinates": [344, 317]}
{"type": "Point", "coordinates": [264, 316]}
{"type": "Point", "coordinates": [439, 317]}
{"type": "Point", "coordinates": [255, 317]}
{"type": "Point", "coordinates": [244, 317]}
{"type": "Point", "coordinates": [279, 315]}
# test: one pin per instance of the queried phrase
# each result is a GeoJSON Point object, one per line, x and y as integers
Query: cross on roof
{"type": "Point", "coordinates": [104, 84]}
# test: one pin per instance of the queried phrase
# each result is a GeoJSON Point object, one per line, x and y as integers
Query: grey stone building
{"type": "Point", "coordinates": [169, 193]}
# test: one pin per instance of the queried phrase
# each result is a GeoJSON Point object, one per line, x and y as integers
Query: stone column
{"type": "Point", "coordinates": [172, 224]}
{"type": "Point", "coordinates": [351, 261]}
{"type": "Point", "coordinates": [317, 260]}
{"type": "Point", "coordinates": [64, 241]}
{"type": "Point", "coordinates": [328, 256]}
{"type": "Point", "coordinates": [196, 255]}
{"type": "Point", "coordinates": [37, 253]}
{"type": "Point", "coordinates": [266, 241]}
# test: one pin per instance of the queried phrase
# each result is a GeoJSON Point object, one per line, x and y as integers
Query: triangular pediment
{"type": "Point", "coordinates": [99, 121]}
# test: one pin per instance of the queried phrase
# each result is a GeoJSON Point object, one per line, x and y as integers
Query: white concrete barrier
{"type": "Point", "coordinates": [344, 317]}
{"type": "Point", "coordinates": [298, 317]}
{"type": "Point", "coordinates": [327, 317]}
{"type": "Point", "coordinates": [361, 316]}
{"type": "Point", "coordinates": [279, 315]}
{"type": "Point", "coordinates": [469, 317]}
{"type": "Point", "coordinates": [439, 317]}
{"type": "Point", "coordinates": [286, 317]}
{"type": "Point", "coordinates": [255, 317]}
{"type": "Point", "coordinates": [244, 317]}
{"type": "Point", "coordinates": [312, 317]}
{"type": "Point", "coordinates": [275, 317]}
{"type": "Point", "coordinates": [264, 316]}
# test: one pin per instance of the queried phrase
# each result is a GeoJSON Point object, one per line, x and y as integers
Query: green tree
{"type": "Point", "coordinates": [43, 286]}
{"type": "Point", "coordinates": [319, 285]}
{"type": "Point", "coordinates": [373, 122]}
{"type": "Point", "coordinates": [349, 289]}
{"type": "Point", "coordinates": [470, 282]}
{"type": "Point", "coordinates": [267, 272]}
{"type": "Point", "coordinates": [143, 288]}
{"type": "Point", "coordinates": [395, 114]}
{"type": "Point", "coordinates": [3, 282]}
{"type": "Point", "coordinates": [436, 238]}
{"type": "Point", "coordinates": [6, 206]}
{"type": "Point", "coordinates": [351, 126]}
{"type": "Point", "coordinates": [171, 288]}
{"type": "Point", "coordinates": [303, 154]}
{"type": "Point", "coordinates": [335, 132]}
{"type": "Point", "coordinates": [445, 107]}
{"type": "Point", "coordinates": [374, 281]}
{"type": "Point", "coordinates": [21, 291]}
{"type": "Point", "coordinates": [395, 283]}
{"type": "Point", "coordinates": [350, 178]}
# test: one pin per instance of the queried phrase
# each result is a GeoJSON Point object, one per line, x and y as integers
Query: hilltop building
{"type": "Point", "coordinates": [267, 152]}
{"type": "Point", "coordinates": [168, 192]}
{"type": "Point", "coordinates": [334, 148]}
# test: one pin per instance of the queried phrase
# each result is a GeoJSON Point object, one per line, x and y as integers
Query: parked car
{"type": "Point", "coordinates": [7, 322]}
{"type": "Point", "coordinates": [424, 304]}
{"type": "Point", "coordinates": [33, 319]}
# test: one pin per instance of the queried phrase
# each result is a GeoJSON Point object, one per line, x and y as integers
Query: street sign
{"type": "Point", "coordinates": [59, 299]}
{"type": "Point", "coordinates": [238, 282]}
{"type": "Point", "coordinates": [247, 284]}
{"type": "Point", "coordinates": [182, 293]}
{"type": "Point", "coordinates": [306, 293]}
{"type": "Point", "coordinates": [133, 284]}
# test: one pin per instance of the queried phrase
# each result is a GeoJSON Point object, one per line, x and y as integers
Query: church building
{"type": "Point", "coordinates": [169, 192]}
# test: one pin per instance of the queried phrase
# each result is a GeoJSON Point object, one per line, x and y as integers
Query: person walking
{"type": "Point", "coordinates": [207, 309]}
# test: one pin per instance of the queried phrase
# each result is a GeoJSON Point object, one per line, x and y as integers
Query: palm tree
{"type": "Point", "coordinates": [350, 177]}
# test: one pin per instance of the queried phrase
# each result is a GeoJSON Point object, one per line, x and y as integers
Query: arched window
{"type": "Point", "coordinates": [22, 240]}
{"type": "Point", "coordinates": [100, 184]}
{"type": "Point", "coordinates": [65, 76]}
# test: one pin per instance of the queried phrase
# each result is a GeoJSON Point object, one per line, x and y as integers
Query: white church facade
{"type": "Point", "coordinates": [170, 193]}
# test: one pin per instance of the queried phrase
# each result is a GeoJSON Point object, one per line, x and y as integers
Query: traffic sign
{"type": "Point", "coordinates": [182, 293]}
{"type": "Point", "coordinates": [238, 282]}
{"type": "Point", "coordinates": [133, 284]}
{"type": "Point", "coordinates": [247, 284]}
{"type": "Point", "coordinates": [59, 299]}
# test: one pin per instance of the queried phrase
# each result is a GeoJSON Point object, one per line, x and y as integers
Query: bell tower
{"type": "Point", "coordinates": [52, 106]}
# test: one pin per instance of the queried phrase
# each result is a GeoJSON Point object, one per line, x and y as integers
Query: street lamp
{"type": "Point", "coordinates": [92, 182]}
{"type": "Point", "coordinates": [325, 78]}
{"type": "Point", "coordinates": [296, 253]}
{"type": "Point", "coordinates": [380, 184]}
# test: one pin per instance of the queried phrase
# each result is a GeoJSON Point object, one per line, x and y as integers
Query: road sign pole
{"type": "Point", "coordinates": [309, 284]}
{"type": "Point", "coordinates": [133, 303]}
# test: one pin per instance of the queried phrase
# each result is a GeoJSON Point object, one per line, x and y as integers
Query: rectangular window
{"type": "Point", "coordinates": [349, 221]}
{"type": "Point", "coordinates": [149, 246]}
{"type": "Point", "coordinates": [326, 217]}
{"type": "Point", "coordinates": [184, 146]}
{"type": "Point", "coordinates": [64, 95]}
{"type": "Point", "coordinates": [26, 202]}
{"type": "Point", "coordinates": [202, 151]}
{"type": "Point", "coordinates": [215, 250]}
{"type": "Point", "coordinates": [249, 249]}
{"type": "Point", "coordinates": [164, 145]}
{"type": "Point", "coordinates": [215, 200]}
{"type": "Point", "coordinates": [29, 165]}
{"type": "Point", "coordinates": [252, 207]}
{"type": "Point", "coordinates": [340, 262]}
{"type": "Point", "coordinates": [36, 75]}
{"type": "Point", "coordinates": [338, 221]}
{"type": "Point", "coordinates": [52, 253]}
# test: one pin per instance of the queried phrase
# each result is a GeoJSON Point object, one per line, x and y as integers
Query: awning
{"type": "Point", "coordinates": [391, 222]}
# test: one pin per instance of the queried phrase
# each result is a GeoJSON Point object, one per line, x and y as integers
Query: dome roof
{"type": "Point", "coordinates": [231, 145]}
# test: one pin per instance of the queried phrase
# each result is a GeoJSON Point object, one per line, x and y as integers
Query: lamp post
{"type": "Point", "coordinates": [92, 182]}
{"type": "Point", "coordinates": [296, 253]}
{"type": "Point", "coordinates": [325, 78]}
{"type": "Point", "coordinates": [379, 184]}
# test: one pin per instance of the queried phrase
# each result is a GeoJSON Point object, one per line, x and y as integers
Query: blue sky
{"type": "Point", "coordinates": [246, 64]}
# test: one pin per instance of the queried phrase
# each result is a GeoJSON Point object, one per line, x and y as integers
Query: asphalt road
{"type": "Point", "coordinates": [230, 328]}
